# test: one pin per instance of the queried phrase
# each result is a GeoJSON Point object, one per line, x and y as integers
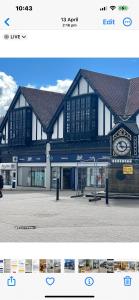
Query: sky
{"type": "Point", "coordinates": [55, 74]}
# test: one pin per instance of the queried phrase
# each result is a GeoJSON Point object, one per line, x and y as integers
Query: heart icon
{"type": "Point", "coordinates": [50, 280]}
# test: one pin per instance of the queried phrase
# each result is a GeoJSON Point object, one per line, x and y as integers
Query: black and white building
{"type": "Point", "coordinates": [100, 113]}
{"type": "Point", "coordinates": [74, 137]}
{"type": "Point", "coordinates": [24, 137]}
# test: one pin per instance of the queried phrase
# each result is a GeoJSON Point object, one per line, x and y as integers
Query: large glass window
{"type": "Point", "coordinates": [96, 176]}
{"type": "Point", "coordinates": [81, 117]}
{"type": "Point", "coordinates": [37, 177]}
{"type": "Point", "coordinates": [20, 126]}
{"type": "Point", "coordinates": [31, 176]}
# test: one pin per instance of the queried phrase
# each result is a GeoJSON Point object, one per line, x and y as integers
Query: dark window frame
{"type": "Point", "coordinates": [81, 117]}
{"type": "Point", "coordinates": [20, 126]}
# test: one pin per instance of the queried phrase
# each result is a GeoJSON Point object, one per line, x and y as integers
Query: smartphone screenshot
{"type": "Point", "coordinates": [69, 150]}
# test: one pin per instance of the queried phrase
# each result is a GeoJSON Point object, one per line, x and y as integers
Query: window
{"type": "Point", "coordinates": [20, 126]}
{"type": "Point", "coordinates": [81, 117]}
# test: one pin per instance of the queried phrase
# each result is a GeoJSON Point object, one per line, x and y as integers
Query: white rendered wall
{"type": "Point", "coordinates": [38, 130]}
{"type": "Point", "coordinates": [107, 120]}
{"type": "Point", "coordinates": [58, 128]}
{"type": "Point", "coordinates": [100, 117]}
{"type": "Point", "coordinates": [75, 92]}
{"type": "Point", "coordinates": [21, 102]}
{"type": "Point", "coordinates": [54, 135]}
{"type": "Point", "coordinates": [90, 89]}
{"type": "Point", "coordinates": [34, 120]}
{"type": "Point", "coordinates": [137, 120]}
{"type": "Point", "coordinates": [61, 125]}
{"type": "Point", "coordinates": [113, 124]}
{"type": "Point", "coordinates": [5, 134]}
{"type": "Point", "coordinates": [83, 86]}
{"type": "Point", "coordinates": [44, 135]}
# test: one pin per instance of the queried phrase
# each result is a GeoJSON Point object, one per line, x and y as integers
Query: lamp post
{"type": "Point", "coordinates": [95, 176]}
{"type": "Point", "coordinates": [57, 185]}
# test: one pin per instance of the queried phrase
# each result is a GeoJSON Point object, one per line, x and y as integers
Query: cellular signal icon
{"type": "Point", "coordinates": [103, 8]}
{"type": "Point", "coordinates": [112, 7]}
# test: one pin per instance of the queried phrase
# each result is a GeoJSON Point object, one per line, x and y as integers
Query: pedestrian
{"type": "Point", "coordinates": [1, 186]}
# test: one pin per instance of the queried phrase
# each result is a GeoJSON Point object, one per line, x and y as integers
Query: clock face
{"type": "Point", "coordinates": [122, 146]}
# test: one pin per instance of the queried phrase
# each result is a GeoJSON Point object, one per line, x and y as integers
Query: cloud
{"type": "Point", "coordinates": [8, 88]}
{"type": "Point", "coordinates": [31, 86]}
{"type": "Point", "coordinates": [61, 86]}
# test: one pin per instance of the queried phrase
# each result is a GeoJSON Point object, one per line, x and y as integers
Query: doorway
{"type": "Point", "coordinates": [66, 178]}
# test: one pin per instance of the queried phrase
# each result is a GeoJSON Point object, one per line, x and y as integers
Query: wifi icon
{"type": "Point", "coordinates": [112, 7]}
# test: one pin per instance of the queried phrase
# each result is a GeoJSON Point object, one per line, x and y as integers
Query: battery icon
{"type": "Point", "coordinates": [123, 7]}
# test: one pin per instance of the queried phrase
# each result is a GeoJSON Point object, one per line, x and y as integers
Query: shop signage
{"type": "Point", "coordinates": [30, 159]}
{"type": "Point", "coordinates": [121, 161]}
{"type": "Point", "coordinates": [80, 157]}
{"type": "Point", "coordinates": [7, 166]}
{"type": "Point", "coordinates": [128, 169]}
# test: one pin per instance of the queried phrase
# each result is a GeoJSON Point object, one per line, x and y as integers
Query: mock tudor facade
{"type": "Point", "coordinates": [75, 136]}
{"type": "Point", "coordinates": [94, 110]}
{"type": "Point", "coordinates": [24, 137]}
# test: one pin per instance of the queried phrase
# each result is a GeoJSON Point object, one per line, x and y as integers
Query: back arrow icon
{"type": "Point", "coordinates": [7, 21]}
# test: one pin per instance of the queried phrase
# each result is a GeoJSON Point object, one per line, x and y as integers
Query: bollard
{"type": "Point", "coordinates": [57, 189]}
{"type": "Point", "coordinates": [107, 191]}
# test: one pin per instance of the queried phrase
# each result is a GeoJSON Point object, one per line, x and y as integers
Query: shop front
{"type": "Point", "coordinates": [31, 176]}
{"type": "Point", "coordinates": [85, 172]}
{"type": "Point", "coordinates": [32, 171]}
{"type": "Point", "coordinates": [8, 171]}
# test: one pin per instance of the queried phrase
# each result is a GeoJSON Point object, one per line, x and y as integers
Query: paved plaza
{"type": "Point", "coordinates": [67, 220]}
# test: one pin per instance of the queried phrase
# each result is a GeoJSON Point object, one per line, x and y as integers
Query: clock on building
{"type": "Point", "coordinates": [122, 146]}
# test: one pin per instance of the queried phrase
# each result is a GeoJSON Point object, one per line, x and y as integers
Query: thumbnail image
{"type": "Point", "coordinates": [110, 265]}
{"type": "Point", "coordinates": [14, 266]}
{"type": "Point", "coordinates": [1, 265]}
{"type": "Point", "coordinates": [42, 266]}
{"type": "Point", "coordinates": [50, 266]}
{"type": "Point", "coordinates": [85, 265]}
{"type": "Point", "coordinates": [103, 266]}
{"type": "Point", "coordinates": [69, 265]}
{"type": "Point", "coordinates": [121, 266]}
{"type": "Point", "coordinates": [67, 125]}
{"type": "Point", "coordinates": [95, 266]}
{"type": "Point", "coordinates": [57, 266]}
{"type": "Point", "coordinates": [82, 265]}
{"type": "Point", "coordinates": [21, 266]}
{"type": "Point", "coordinates": [137, 266]}
{"type": "Point", "coordinates": [132, 266]}
{"type": "Point", "coordinates": [7, 266]}
{"type": "Point", "coordinates": [35, 265]}
{"type": "Point", "coordinates": [28, 266]}
{"type": "Point", "coordinates": [89, 265]}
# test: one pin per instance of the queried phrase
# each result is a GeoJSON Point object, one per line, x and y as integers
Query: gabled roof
{"type": "Point", "coordinates": [43, 103]}
{"type": "Point", "coordinates": [121, 95]}
{"type": "Point", "coordinates": [113, 90]}
{"type": "Point", "coordinates": [132, 127]}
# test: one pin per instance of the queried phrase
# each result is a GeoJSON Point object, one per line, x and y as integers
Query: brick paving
{"type": "Point", "coordinates": [67, 220]}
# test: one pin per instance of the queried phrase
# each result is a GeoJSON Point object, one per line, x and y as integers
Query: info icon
{"type": "Point", "coordinates": [89, 281]}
